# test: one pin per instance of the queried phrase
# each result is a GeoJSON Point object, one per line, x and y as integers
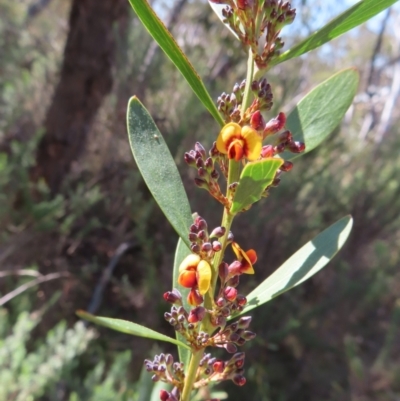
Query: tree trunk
{"type": "Point", "coordinates": [85, 79]}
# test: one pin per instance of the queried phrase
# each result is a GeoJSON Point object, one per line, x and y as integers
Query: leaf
{"type": "Point", "coordinates": [254, 179]}
{"type": "Point", "coordinates": [158, 168]}
{"type": "Point", "coordinates": [321, 110]}
{"type": "Point", "coordinates": [180, 253]}
{"type": "Point", "coordinates": [168, 44]}
{"type": "Point", "coordinates": [128, 328]}
{"type": "Point", "coordinates": [354, 16]}
{"type": "Point", "coordinates": [307, 261]}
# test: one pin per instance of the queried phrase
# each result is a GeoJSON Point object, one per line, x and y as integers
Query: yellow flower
{"type": "Point", "coordinates": [195, 272]}
{"type": "Point", "coordinates": [238, 142]}
{"type": "Point", "coordinates": [246, 259]}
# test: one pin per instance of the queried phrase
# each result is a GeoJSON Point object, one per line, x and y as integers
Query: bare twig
{"type": "Point", "coordinates": [21, 272]}
{"type": "Point", "coordinates": [19, 290]}
{"type": "Point", "coordinates": [97, 297]}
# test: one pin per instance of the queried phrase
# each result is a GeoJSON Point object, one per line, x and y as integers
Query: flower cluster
{"type": "Point", "coordinates": [203, 317]}
{"type": "Point", "coordinates": [255, 22]}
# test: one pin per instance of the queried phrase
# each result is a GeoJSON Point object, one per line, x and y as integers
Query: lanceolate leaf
{"type": "Point", "coordinates": [168, 44]}
{"type": "Point", "coordinates": [254, 179]}
{"type": "Point", "coordinates": [180, 253]}
{"type": "Point", "coordinates": [321, 110]}
{"type": "Point", "coordinates": [354, 16]}
{"type": "Point", "coordinates": [128, 328]}
{"type": "Point", "coordinates": [158, 168]}
{"type": "Point", "coordinates": [307, 261]}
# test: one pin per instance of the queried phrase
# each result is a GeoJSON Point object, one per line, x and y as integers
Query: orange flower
{"type": "Point", "coordinates": [195, 272]}
{"type": "Point", "coordinates": [238, 142]}
{"type": "Point", "coordinates": [246, 259]}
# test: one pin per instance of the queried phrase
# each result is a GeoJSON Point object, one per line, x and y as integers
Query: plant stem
{"type": "Point", "coordinates": [249, 80]}
{"type": "Point", "coordinates": [191, 375]}
{"type": "Point", "coordinates": [227, 219]}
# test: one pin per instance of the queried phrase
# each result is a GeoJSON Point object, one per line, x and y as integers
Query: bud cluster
{"type": "Point", "coordinates": [271, 15]}
{"type": "Point", "coordinates": [263, 93]}
{"type": "Point", "coordinates": [234, 335]}
{"type": "Point", "coordinates": [213, 369]}
{"type": "Point", "coordinates": [202, 243]}
{"type": "Point", "coordinates": [166, 370]}
{"type": "Point", "coordinates": [228, 105]}
{"type": "Point", "coordinates": [207, 174]}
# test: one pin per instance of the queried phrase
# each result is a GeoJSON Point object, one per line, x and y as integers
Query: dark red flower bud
{"type": "Point", "coordinates": [201, 183]}
{"type": "Point", "coordinates": [202, 172]}
{"type": "Point", "coordinates": [194, 228]}
{"type": "Point", "coordinates": [214, 151]}
{"type": "Point", "coordinates": [234, 281]}
{"type": "Point", "coordinates": [241, 300]}
{"type": "Point", "coordinates": [285, 137]}
{"type": "Point", "coordinates": [196, 314]}
{"type": "Point", "coordinates": [287, 166]}
{"type": "Point", "coordinates": [199, 162]}
{"type": "Point", "coordinates": [235, 268]}
{"type": "Point", "coordinates": [216, 246]}
{"type": "Point", "coordinates": [274, 125]}
{"type": "Point", "coordinates": [192, 237]}
{"type": "Point", "coordinates": [194, 298]}
{"type": "Point", "coordinates": [267, 151]}
{"type": "Point", "coordinates": [239, 380]}
{"type": "Point", "coordinates": [248, 335]}
{"type": "Point", "coordinates": [257, 121]}
{"type": "Point", "coordinates": [244, 322]}
{"type": "Point", "coordinates": [206, 247]}
{"type": "Point", "coordinates": [198, 147]}
{"type": "Point", "coordinates": [195, 248]}
{"type": "Point", "coordinates": [164, 395]}
{"type": "Point", "coordinates": [201, 223]}
{"type": "Point", "coordinates": [297, 147]}
{"type": "Point", "coordinates": [219, 366]}
{"type": "Point", "coordinates": [279, 148]}
{"type": "Point", "coordinates": [223, 271]}
{"type": "Point", "coordinates": [230, 347]}
{"type": "Point", "coordinates": [221, 302]}
{"type": "Point", "coordinates": [190, 160]}
{"type": "Point", "coordinates": [173, 297]}
{"type": "Point", "coordinates": [218, 232]}
{"type": "Point", "coordinates": [202, 234]}
{"type": "Point", "coordinates": [230, 293]}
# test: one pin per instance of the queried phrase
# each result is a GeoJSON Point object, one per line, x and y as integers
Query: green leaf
{"type": "Point", "coordinates": [255, 177]}
{"type": "Point", "coordinates": [321, 110]}
{"type": "Point", "coordinates": [158, 168]}
{"type": "Point", "coordinates": [180, 253]}
{"type": "Point", "coordinates": [307, 261]}
{"type": "Point", "coordinates": [354, 16]}
{"type": "Point", "coordinates": [168, 44]}
{"type": "Point", "coordinates": [128, 328]}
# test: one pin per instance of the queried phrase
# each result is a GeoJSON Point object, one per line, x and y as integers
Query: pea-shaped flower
{"type": "Point", "coordinates": [238, 142]}
{"type": "Point", "coordinates": [195, 272]}
{"type": "Point", "coordinates": [244, 262]}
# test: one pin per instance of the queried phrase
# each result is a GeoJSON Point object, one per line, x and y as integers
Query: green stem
{"type": "Point", "coordinates": [249, 80]}
{"type": "Point", "coordinates": [227, 219]}
{"type": "Point", "coordinates": [191, 375]}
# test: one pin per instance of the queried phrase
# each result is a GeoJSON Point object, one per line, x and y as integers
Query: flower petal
{"type": "Point", "coordinates": [253, 143]}
{"type": "Point", "coordinates": [228, 132]}
{"type": "Point", "coordinates": [187, 278]}
{"type": "Point", "coordinates": [203, 276]}
{"type": "Point", "coordinates": [252, 255]}
{"type": "Point", "coordinates": [245, 259]}
{"type": "Point", "coordinates": [189, 263]}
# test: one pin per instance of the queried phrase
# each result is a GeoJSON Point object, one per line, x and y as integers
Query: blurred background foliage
{"type": "Point", "coordinates": [78, 228]}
